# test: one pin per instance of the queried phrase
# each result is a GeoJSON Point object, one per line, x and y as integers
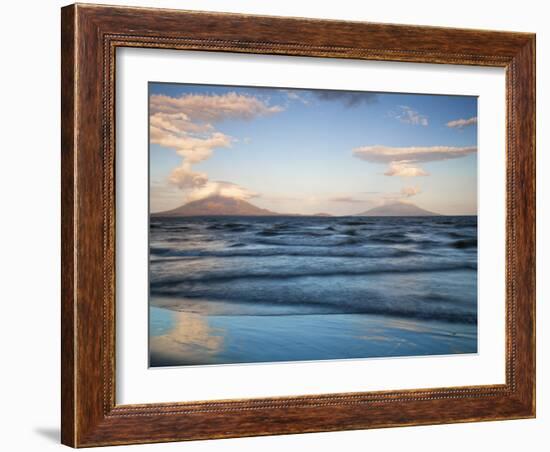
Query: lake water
{"type": "Point", "coordinates": [268, 289]}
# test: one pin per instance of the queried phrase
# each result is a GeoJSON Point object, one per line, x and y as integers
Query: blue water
{"type": "Point", "coordinates": [256, 289]}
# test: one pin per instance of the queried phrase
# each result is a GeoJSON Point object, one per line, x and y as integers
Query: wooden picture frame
{"type": "Point", "coordinates": [90, 36]}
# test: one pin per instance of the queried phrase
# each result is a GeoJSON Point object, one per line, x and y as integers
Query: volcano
{"type": "Point", "coordinates": [216, 206]}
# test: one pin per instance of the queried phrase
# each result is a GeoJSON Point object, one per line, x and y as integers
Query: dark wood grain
{"type": "Point", "coordinates": [68, 310]}
{"type": "Point", "coordinates": [90, 36]}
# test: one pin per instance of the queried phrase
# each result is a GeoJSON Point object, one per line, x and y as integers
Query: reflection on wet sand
{"type": "Point", "coordinates": [191, 338]}
{"type": "Point", "coordinates": [416, 336]}
{"type": "Point", "coordinates": [190, 341]}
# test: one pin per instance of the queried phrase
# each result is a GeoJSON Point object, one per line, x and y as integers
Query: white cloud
{"type": "Point", "coordinates": [410, 116]}
{"type": "Point", "coordinates": [401, 196]}
{"type": "Point", "coordinates": [220, 188]}
{"type": "Point", "coordinates": [166, 195]}
{"type": "Point", "coordinates": [212, 108]}
{"type": "Point", "coordinates": [400, 159]}
{"type": "Point", "coordinates": [185, 125]}
{"type": "Point", "coordinates": [194, 149]}
{"type": "Point", "coordinates": [184, 177]}
{"type": "Point", "coordinates": [177, 123]}
{"type": "Point", "coordinates": [295, 96]}
{"type": "Point", "coordinates": [461, 123]}
{"type": "Point", "coordinates": [386, 154]}
{"type": "Point", "coordinates": [402, 169]}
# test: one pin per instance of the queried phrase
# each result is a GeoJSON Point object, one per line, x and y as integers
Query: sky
{"type": "Point", "coordinates": [301, 151]}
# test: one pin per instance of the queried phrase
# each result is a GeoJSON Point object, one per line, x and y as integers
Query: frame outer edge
{"type": "Point", "coordinates": [86, 419]}
{"type": "Point", "coordinates": [525, 62]}
{"type": "Point", "coordinates": [68, 230]}
{"type": "Point", "coordinates": [534, 225]}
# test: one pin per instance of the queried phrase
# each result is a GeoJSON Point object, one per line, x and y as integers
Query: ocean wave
{"type": "Point", "coordinates": [317, 242]}
{"type": "Point", "coordinates": [168, 254]}
{"type": "Point", "coordinates": [420, 267]}
{"type": "Point", "coordinates": [259, 298]}
{"type": "Point", "coordinates": [296, 273]}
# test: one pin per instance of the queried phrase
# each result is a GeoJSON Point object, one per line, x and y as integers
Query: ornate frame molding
{"type": "Point", "coordinates": [90, 37]}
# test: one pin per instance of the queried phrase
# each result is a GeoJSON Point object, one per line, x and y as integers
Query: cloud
{"type": "Point", "coordinates": [386, 154]}
{"type": "Point", "coordinates": [183, 177]}
{"type": "Point", "coordinates": [397, 197]}
{"type": "Point", "coordinates": [221, 188]}
{"type": "Point", "coordinates": [400, 159]}
{"type": "Point", "coordinates": [212, 108]}
{"type": "Point", "coordinates": [195, 149]}
{"type": "Point", "coordinates": [346, 199]}
{"type": "Point", "coordinates": [402, 169]}
{"type": "Point", "coordinates": [166, 195]}
{"type": "Point", "coordinates": [176, 123]}
{"type": "Point", "coordinates": [295, 96]}
{"type": "Point", "coordinates": [185, 125]}
{"type": "Point", "coordinates": [410, 116]}
{"type": "Point", "coordinates": [348, 98]}
{"type": "Point", "coordinates": [462, 123]}
{"type": "Point", "coordinates": [407, 192]}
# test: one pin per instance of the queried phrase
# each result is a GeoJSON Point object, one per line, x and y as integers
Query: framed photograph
{"type": "Point", "coordinates": [281, 225]}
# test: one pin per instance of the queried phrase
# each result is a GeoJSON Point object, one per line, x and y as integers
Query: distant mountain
{"type": "Point", "coordinates": [216, 205]}
{"type": "Point", "coordinates": [322, 214]}
{"type": "Point", "coordinates": [398, 209]}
